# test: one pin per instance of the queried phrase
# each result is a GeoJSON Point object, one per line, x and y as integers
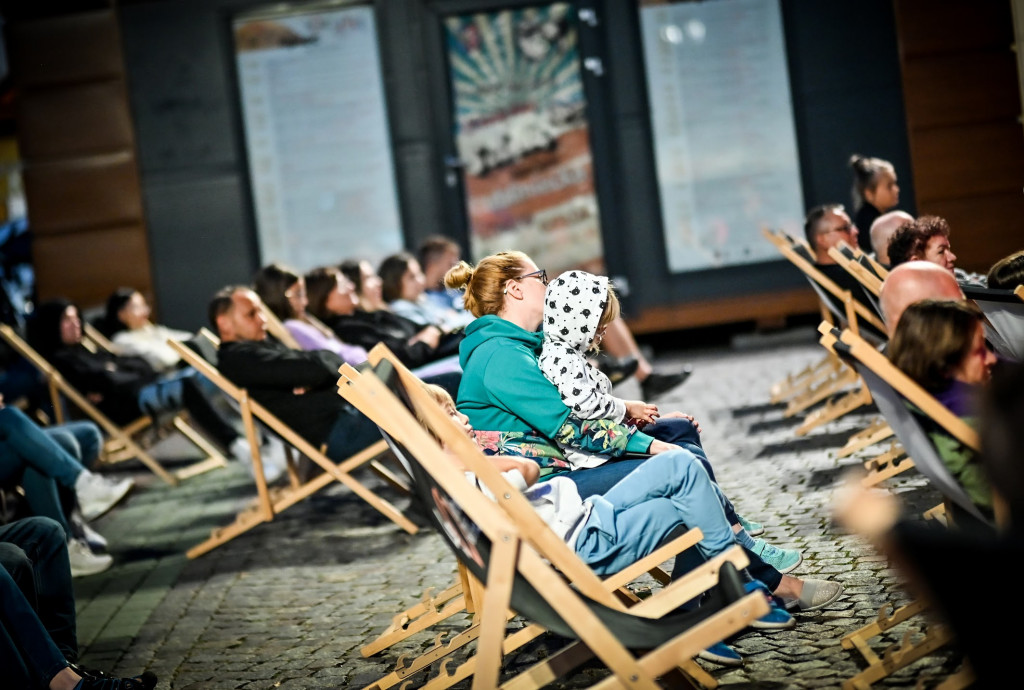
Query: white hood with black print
{"type": "Point", "coordinates": [573, 306]}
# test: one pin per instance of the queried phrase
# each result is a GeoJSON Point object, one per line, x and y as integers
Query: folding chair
{"type": "Point", "coordinates": [850, 315]}
{"type": "Point", "coordinates": [1004, 312]}
{"type": "Point", "coordinates": [525, 566]}
{"type": "Point", "coordinates": [122, 443]}
{"type": "Point", "coordinates": [270, 502]}
{"type": "Point", "coordinates": [461, 596]}
{"type": "Point", "coordinates": [892, 389]}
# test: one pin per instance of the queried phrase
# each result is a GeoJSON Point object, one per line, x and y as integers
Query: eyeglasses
{"type": "Point", "coordinates": [540, 275]}
{"type": "Point", "coordinates": [844, 228]}
{"type": "Point", "coordinates": [294, 293]}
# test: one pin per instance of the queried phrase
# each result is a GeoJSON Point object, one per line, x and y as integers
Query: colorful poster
{"type": "Point", "coordinates": [522, 136]}
{"type": "Point", "coordinates": [320, 160]}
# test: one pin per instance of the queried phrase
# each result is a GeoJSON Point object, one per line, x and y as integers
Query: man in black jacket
{"type": "Point", "coordinates": [297, 386]}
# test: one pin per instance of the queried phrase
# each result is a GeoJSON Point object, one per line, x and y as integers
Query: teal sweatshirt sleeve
{"type": "Point", "coordinates": [515, 383]}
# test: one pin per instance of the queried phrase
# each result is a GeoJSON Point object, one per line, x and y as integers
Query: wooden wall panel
{"type": "Point", "coordinates": [88, 266]}
{"type": "Point", "coordinates": [972, 89]}
{"type": "Point", "coordinates": [67, 49]}
{"type": "Point", "coordinates": [84, 194]}
{"type": "Point", "coordinates": [962, 98]}
{"type": "Point", "coordinates": [74, 120]}
{"type": "Point", "coordinates": [77, 141]}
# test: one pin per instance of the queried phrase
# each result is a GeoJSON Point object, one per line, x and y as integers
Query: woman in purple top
{"type": "Point", "coordinates": [284, 293]}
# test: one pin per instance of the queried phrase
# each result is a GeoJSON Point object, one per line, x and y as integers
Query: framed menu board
{"type": "Point", "coordinates": [315, 117]}
{"type": "Point", "coordinates": [724, 137]}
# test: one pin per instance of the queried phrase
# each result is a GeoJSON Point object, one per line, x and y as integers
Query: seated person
{"type": "Point", "coordinates": [578, 306]}
{"type": "Point", "coordinates": [336, 301]}
{"type": "Point", "coordinates": [1007, 273]}
{"type": "Point", "coordinates": [882, 230]}
{"type": "Point", "coordinates": [297, 386]}
{"type": "Point", "coordinates": [927, 239]}
{"type": "Point", "coordinates": [506, 292]}
{"type": "Point", "coordinates": [123, 387]}
{"type": "Point", "coordinates": [875, 191]}
{"type": "Point", "coordinates": [940, 344]}
{"type": "Point", "coordinates": [38, 637]}
{"type": "Point", "coordinates": [283, 291]}
{"type": "Point", "coordinates": [126, 323]}
{"type": "Point", "coordinates": [436, 255]}
{"type": "Point", "coordinates": [824, 227]}
{"type": "Point", "coordinates": [911, 282]}
{"type": "Point", "coordinates": [403, 288]}
{"type": "Point", "coordinates": [33, 460]}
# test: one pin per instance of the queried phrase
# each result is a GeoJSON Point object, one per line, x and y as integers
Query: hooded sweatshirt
{"type": "Point", "coordinates": [515, 410]}
{"type": "Point", "coordinates": [573, 307]}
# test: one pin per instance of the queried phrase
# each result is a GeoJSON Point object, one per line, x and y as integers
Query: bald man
{"type": "Point", "coordinates": [882, 231]}
{"type": "Point", "coordinates": [912, 282]}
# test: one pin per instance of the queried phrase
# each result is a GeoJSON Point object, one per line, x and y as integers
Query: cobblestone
{"type": "Point", "coordinates": [290, 603]}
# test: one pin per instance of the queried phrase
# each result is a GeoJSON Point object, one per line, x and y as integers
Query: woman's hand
{"type": "Point", "coordinates": [683, 415]}
{"type": "Point", "coordinates": [661, 447]}
{"type": "Point", "coordinates": [639, 411]}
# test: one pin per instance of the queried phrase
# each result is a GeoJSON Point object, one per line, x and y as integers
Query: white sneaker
{"type": "Point", "coordinates": [273, 463]}
{"type": "Point", "coordinates": [85, 562]}
{"type": "Point", "coordinates": [97, 494]}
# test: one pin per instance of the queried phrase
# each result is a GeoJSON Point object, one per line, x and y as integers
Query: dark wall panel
{"type": "Point", "coordinates": [83, 193]}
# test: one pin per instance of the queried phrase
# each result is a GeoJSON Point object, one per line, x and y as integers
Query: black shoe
{"type": "Point", "coordinates": [103, 681]}
{"type": "Point", "coordinates": [617, 370]}
{"type": "Point", "coordinates": [657, 384]}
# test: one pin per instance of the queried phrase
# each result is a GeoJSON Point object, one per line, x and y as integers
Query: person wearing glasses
{"type": "Point", "coordinates": [515, 410]}
{"type": "Point", "coordinates": [825, 227]}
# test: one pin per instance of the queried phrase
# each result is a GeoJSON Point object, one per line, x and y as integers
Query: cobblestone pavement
{"type": "Point", "coordinates": [289, 604]}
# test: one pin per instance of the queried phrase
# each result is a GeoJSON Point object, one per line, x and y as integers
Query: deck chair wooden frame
{"type": "Point", "coordinates": [462, 595]}
{"type": "Point", "coordinates": [518, 563]}
{"type": "Point", "coordinates": [1004, 314]}
{"type": "Point", "coordinates": [891, 387]}
{"type": "Point", "coordinates": [798, 253]}
{"type": "Point", "coordinates": [272, 501]}
{"type": "Point", "coordinates": [121, 444]}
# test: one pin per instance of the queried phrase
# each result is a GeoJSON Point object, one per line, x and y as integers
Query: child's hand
{"type": "Point", "coordinates": [683, 415]}
{"type": "Point", "coordinates": [639, 411]}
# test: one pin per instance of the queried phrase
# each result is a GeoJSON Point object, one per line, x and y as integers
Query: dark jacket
{"type": "Point", "coordinates": [369, 328]}
{"type": "Point", "coordinates": [271, 372]}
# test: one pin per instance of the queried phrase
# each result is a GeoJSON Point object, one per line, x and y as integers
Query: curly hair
{"type": "Point", "coordinates": [909, 242]}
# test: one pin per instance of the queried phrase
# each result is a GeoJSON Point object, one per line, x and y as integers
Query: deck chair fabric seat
{"type": "Point", "coordinates": [514, 566]}
{"type": "Point", "coordinates": [1004, 310]}
{"type": "Point", "coordinates": [270, 502]}
{"type": "Point", "coordinates": [125, 440]}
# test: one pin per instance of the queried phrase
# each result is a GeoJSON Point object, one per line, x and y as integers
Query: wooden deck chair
{"type": "Point", "coordinates": [853, 311]}
{"type": "Point", "coordinates": [123, 442]}
{"type": "Point", "coordinates": [891, 389]}
{"type": "Point", "coordinates": [270, 502]}
{"type": "Point", "coordinates": [529, 571]}
{"type": "Point", "coordinates": [844, 379]}
{"type": "Point", "coordinates": [462, 595]}
{"type": "Point", "coordinates": [1004, 313]}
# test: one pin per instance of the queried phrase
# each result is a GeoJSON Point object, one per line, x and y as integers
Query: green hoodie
{"type": "Point", "coordinates": [503, 390]}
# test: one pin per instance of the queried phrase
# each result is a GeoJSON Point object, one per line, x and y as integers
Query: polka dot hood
{"type": "Point", "coordinates": [573, 305]}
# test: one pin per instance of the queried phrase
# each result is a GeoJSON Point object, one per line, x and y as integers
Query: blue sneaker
{"type": "Point", "coordinates": [783, 560]}
{"type": "Point", "coordinates": [777, 618]}
{"type": "Point", "coordinates": [721, 653]}
{"type": "Point", "coordinates": [754, 529]}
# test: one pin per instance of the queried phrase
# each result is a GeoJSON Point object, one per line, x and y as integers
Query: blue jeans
{"type": "Point", "coordinates": [35, 461]}
{"type": "Point", "coordinates": [37, 607]}
{"type": "Point", "coordinates": [634, 517]}
{"type": "Point", "coordinates": [81, 440]}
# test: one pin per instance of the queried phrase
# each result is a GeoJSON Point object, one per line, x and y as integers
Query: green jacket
{"type": "Point", "coordinates": [516, 410]}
